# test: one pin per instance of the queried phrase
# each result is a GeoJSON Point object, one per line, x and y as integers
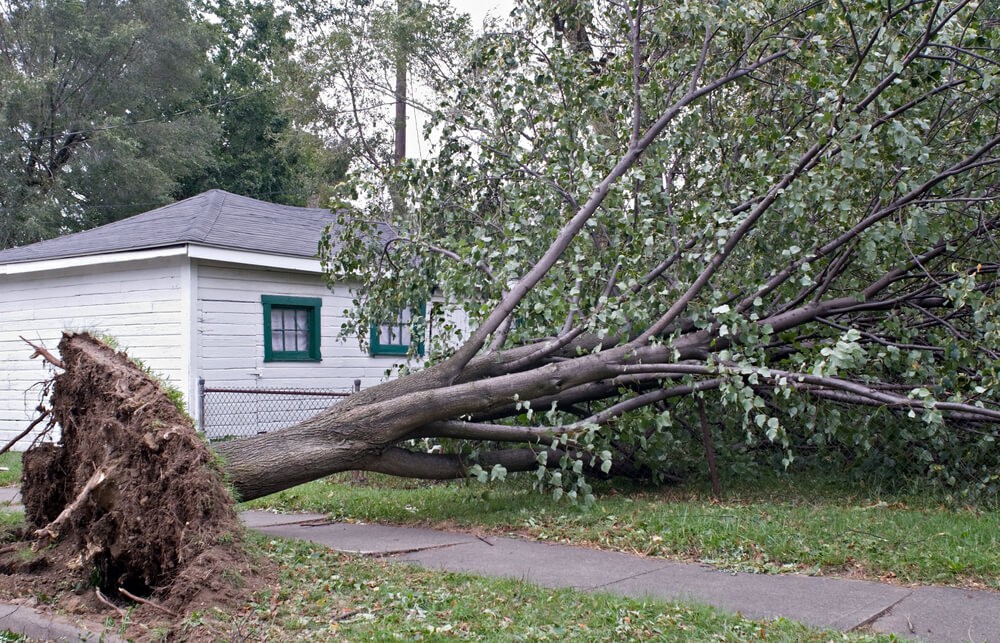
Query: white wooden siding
{"type": "Point", "coordinates": [231, 332]}
{"type": "Point", "coordinates": [231, 343]}
{"type": "Point", "coordinates": [138, 303]}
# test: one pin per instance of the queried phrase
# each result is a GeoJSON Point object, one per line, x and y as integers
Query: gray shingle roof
{"type": "Point", "coordinates": [215, 218]}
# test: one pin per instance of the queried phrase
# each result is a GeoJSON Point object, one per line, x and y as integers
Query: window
{"type": "Point", "coordinates": [394, 338]}
{"type": "Point", "coordinates": [291, 328]}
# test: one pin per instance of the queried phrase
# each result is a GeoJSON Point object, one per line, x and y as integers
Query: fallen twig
{"type": "Point", "coordinates": [43, 352]}
{"type": "Point", "coordinates": [352, 613]}
{"type": "Point", "coordinates": [146, 601]}
{"type": "Point", "coordinates": [101, 597]}
{"type": "Point", "coordinates": [25, 432]}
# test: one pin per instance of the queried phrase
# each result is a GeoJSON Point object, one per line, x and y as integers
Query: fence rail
{"type": "Point", "coordinates": [228, 413]}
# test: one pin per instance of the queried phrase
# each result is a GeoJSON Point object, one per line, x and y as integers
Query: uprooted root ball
{"type": "Point", "coordinates": [131, 489]}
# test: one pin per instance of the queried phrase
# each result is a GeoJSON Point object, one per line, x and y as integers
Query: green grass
{"type": "Point", "coordinates": [778, 524]}
{"type": "Point", "coordinates": [324, 596]}
{"type": "Point", "coordinates": [11, 461]}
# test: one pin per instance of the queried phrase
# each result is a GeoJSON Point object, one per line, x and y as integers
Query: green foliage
{"type": "Point", "coordinates": [97, 111]}
{"type": "Point", "coordinates": [352, 49]}
{"type": "Point", "coordinates": [266, 102]}
{"type": "Point", "coordinates": [108, 109]}
{"type": "Point", "coordinates": [824, 227]}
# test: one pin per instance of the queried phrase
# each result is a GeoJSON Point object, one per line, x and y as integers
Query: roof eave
{"type": "Point", "coordinates": [62, 263]}
{"type": "Point", "coordinates": [191, 250]}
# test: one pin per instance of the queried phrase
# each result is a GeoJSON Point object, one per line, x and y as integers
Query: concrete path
{"type": "Point", "coordinates": [10, 499]}
{"type": "Point", "coordinates": [922, 613]}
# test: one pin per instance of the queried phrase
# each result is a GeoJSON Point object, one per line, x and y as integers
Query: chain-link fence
{"type": "Point", "coordinates": [241, 412]}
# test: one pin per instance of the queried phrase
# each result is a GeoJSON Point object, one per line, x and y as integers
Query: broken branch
{"type": "Point", "coordinates": [43, 352]}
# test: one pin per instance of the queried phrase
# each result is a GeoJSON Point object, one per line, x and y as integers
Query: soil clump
{"type": "Point", "coordinates": [128, 509]}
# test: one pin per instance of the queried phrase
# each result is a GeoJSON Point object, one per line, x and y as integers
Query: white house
{"type": "Point", "coordinates": [218, 288]}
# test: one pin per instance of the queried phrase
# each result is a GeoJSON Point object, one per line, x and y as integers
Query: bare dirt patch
{"type": "Point", "coordinates": [130, 502]}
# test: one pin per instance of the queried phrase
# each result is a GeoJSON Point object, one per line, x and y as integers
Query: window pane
{"type": "Point", "coordinates": [301, 330]}
{"type": "Point", "coordinates": [290, 329]}
{"type": "Point", "coordinates": [394, 335]}
{"type": "Point", "coordinates": [293, 321]}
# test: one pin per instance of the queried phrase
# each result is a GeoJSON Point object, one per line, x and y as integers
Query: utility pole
{"type": "Point", "coordinates": [401, 60]}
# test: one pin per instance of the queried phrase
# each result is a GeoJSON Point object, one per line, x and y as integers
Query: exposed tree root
{"type": "Point", "coordinates": [145, 601]}
{"type": "Point", "coordinates": [131, 500]}
{"type": "Point", "coordinates": [51, 530]}
{"type": "Point", "coordinates": [41, 351]}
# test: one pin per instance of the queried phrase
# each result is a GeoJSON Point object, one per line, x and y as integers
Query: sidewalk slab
{"type": "Point", "coordinates": [822, 602]}
{"type": "Point", "coordinates": [543, 564]}
{"type": "Point", "coordinates": [10, 499]}
{"type": "Point", "coordinates": [258, 519]}
{"type": "Point", "coordinates": [371, 540]}
{"type": "Point", "coordinates": [832, 603]}
{"type": "Point", "coordinates": [923, 613]}
{"type": "Point", "coordinates": [945, 614]}
{"type": "Point", "coordinates": [39, 626]}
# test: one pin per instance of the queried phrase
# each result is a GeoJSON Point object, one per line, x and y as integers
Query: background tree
{"type": "Point", "coordinates": [370, 54]}
{"type": "Point", "coordinates": [98, 115]}
{"type": "Point", "coordinates": [267, 105]}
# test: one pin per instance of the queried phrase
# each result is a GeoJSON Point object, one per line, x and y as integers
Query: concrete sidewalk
{"type": "Point", "coordinates": [924, 613]}
{"type": "Point", "coordinates": [10, 498]}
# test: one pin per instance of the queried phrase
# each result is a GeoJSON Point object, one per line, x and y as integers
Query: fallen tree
{"type": "Point", "coordinates": [764, 223]}
{"type": "Point", "coordinates": [788, 210]}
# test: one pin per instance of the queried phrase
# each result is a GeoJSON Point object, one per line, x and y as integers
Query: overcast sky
{"type": "Point", "coordinates": [416, 147]}
{"type": "Point", "coordinates": [478, 9]}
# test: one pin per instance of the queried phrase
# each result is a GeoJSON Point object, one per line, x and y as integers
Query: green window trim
{"type": "Point", "coordinates": [294, 311]}
{"type": "Point", "coordinates": [378, 347]}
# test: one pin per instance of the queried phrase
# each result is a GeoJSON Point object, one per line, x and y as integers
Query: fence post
{"type": "Point", "coordinates": [201, 403]}
{"type": "Point", "coordinates": [357, 386]}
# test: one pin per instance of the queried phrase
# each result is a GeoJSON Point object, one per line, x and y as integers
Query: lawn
{"type": "Point", "coordinates": [777, 524]}
{"type": "Point", "coordinates": [10, 468]}
{"type": "Point", "coordinates": [322, 595]}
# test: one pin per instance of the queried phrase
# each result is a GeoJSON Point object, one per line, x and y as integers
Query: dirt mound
{"type": "Point", "coordinates": [131, 499]}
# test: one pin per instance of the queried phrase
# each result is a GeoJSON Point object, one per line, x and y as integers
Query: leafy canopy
{"type": "Point", "coordinates": [97, 111]}
{"type": "Point", "coordinates": [796, 201]}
